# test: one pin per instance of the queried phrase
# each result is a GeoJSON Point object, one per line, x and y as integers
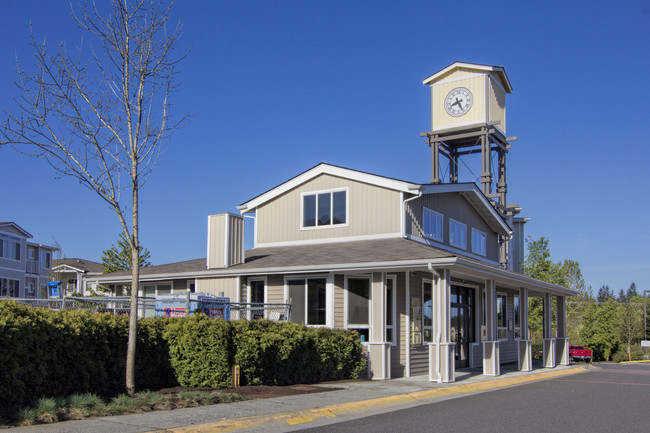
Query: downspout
{"type": "Point", "coordinates": [436, 276]}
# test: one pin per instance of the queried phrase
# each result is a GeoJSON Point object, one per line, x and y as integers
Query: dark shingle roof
{"type": "Point", "coordinates": [83, 264]}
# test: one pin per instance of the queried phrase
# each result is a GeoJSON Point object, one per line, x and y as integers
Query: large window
{"type": "Point", "coordinates": [478, 242]}
{"type": "Point", "coordinates": [517, 312]}
{"type": "Point", "coordinates": [9, 287]}
{"type": "Point", "coordinates": [502, 317]}
{"type": "Point", "coordinates": [307, 299]}
{"type": "Point", "coordinates": [457, 234]}
{"type": "Point", "coordinates": [9, 249]}
{"type": "Point", "coordinates": [358, 314]}
{"type": "Point", "coordinates": [432, 224]}
{"type": "Point", "coordinates": [324, 209]}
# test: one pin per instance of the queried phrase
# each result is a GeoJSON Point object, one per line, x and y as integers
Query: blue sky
{"type": "Point", "coordinates": [275, 87]}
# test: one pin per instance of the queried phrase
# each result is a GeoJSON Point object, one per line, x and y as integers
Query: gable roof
{"type": "Point", "coordinates": [11, 224]}
{"type": "Point", "coordinates": [77, 265]}
{"type": "Point", "coordinates": [498, 71]}
{"type": "Point", "coordinates": [324, 168]}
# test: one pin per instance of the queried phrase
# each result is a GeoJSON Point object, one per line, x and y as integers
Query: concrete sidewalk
{"type": "Point", "coordinates": [357, 399]}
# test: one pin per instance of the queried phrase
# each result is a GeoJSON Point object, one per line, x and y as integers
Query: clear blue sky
{"type": "Point", "coordinates": [275, 87]}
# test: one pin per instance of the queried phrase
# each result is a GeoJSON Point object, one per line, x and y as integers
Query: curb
{"type": "Point", "coordinates": [635, 362]}
{"type": "Point", "coordinates": [332, 411]}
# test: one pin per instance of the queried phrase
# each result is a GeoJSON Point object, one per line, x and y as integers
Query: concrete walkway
{"type": "Point", "coordinates": [357, 399]}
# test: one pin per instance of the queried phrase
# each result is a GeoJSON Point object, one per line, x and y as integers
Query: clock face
{"type": "Point", "coordinates": [458, 101]}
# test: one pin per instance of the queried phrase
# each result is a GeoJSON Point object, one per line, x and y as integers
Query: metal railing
{"type": "Point", "coordinates": [149, 307]}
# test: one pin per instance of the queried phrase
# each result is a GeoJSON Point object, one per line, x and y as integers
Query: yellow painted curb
{"type": "Point", "coordinates": [309, 415]}
{"type": "Point", "coordinates": [634, 362]}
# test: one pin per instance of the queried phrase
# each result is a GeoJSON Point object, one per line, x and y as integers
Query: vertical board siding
{"type": "Point", "coordinates": [227, 285]}
{"type": "Point", "coordinates": [475, 83]}
{"type": "Point", "coordinates": [216, 240]}
{"type": "Point", "coordinates": [339, 301]}
{"type": "Point", "coordinates": [372, 210]}
{"type": "Point", "coordinates": [451, 205]}
{"type": "Point", "coordinates": [497, 101]}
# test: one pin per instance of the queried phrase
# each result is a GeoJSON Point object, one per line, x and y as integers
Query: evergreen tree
{"type": "Point", "coordinates": [604, 293]}
{"type": "Point", "coordinates": [118, 258]}
{"type": "Point", "coordinates": [601, 331]}
{"type": "Point", "coordinates": [630, 323]}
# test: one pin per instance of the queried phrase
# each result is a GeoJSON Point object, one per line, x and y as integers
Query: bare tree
{"type": "Point", "coordinates": [102, 115]}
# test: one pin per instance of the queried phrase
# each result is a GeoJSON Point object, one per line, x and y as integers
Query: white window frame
{"type": "Point", "coordinates": [348, 325]}
{"type": "Point", "coordinates": [452, 241]}
{"type": "Point", "coordinates": [435, 236]}
{"type": "Point", "coordinates": [248, 294]}
{"type": "Point", "coordinates": [483, 244]}
{"type": "Point", "coordinates": [304, 278]}
{"type": "Point", "coordinates": [517, 317]}
{"type": "Point", "coordinates": [331, 224]}
{"type": "Point", "coordinates": [155, 285]}
{"type": "Point", "coordinates": [502, 330]}
{"type": "Point", "coordinates": [393, 314]}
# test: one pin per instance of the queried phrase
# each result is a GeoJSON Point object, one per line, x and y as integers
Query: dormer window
{"type": "Point", "coordinates": [432, 224]}
{"type": "Point", "coordinates": [478, 242]}
{"type": "Point", "coordinates": [324, 209]}
{"type": "Point", "coordinates": [457, 234]}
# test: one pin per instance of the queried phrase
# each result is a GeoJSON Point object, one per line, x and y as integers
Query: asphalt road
{"type": "Point", "coordinates": [611, 398]}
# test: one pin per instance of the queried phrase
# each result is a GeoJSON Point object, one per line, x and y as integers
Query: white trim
{"type": "Point", "coordinates": [226, 241]}
{"type": "Point", "coordinates": [208, 256]}
{"type": "Point", "coordinates": [329, 300]}
{"type": "Point", "coordinates": [425, 281]}
{"type": "Point", "coordinates": [248, 293]}
{"type": "Point", "coordinates": [331, 240]}
{"type": "Point", "coordinates": [323, 168]}
{"type": "Point", "coordinates": [331, 225]}
{"type": "Point", "coordinates": [346, 324]}
{"type": "Point", "coordinates": [514, 316]}
{"type": "Point", "coordinates": [453, 80]}
{"type": "Point", "coordinates": [495, 70]}
{"type": "Point", "coordinates": [407, 333]}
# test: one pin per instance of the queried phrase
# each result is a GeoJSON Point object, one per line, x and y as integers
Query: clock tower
{"type": "Point", "coordinates": [468, 116]}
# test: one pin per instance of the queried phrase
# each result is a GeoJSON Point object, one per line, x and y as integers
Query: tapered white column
{"type": "Point", "coordinates": [378, 348]}
{"type": "Point", "coordinates": [442, 366]}
{"type": "Point", "coordinates": [548, 341]}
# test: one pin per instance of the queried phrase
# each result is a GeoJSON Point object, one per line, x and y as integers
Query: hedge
{"type": "Point", "coordinates": [56, 354]}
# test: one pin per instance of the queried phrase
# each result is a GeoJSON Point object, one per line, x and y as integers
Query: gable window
{"type": "Point", "coordinates": [478, 242]}
{"type": "Point", "coordinates": [502, 317]}
{"type": "Point", "coordinates": [432, 224]}
{"type": "Point", "coordinates": [324, 209]}
{"type": "Point", "coordinates": [307, 299]}
{"type": "Point", "coordinates": [9, 249]}
{"type": "Point", "coordinates": [457, 234]}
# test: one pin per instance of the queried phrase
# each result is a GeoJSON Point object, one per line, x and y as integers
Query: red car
{"type": "Point", "coordinates": [579, 353]}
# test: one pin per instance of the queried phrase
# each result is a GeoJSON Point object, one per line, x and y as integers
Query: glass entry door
{"type": "Point", "coordinates": [462, 323]}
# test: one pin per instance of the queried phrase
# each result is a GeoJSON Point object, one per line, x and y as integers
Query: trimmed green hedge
{"type": "Point", "coordinates": [54, 354]}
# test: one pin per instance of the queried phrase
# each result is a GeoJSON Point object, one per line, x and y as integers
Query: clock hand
{"type": "Point", "coordinates": [457, 103]}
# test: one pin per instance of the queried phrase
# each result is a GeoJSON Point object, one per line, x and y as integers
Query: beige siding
{"type": "Point", "coordinates": [497, 104]}
{"type": "Point", "coordinates": [225, 228]}
{"type": "Point", "coordinates": [419, 360]}
{"type": "Point", "coordinates": [372, 210]}
{"type": "Point", "coordinates": [339, 301]}
{"type": "Point", "coordinates": [451, 205]}
{"type": "Point", "coordinates": [440, 119]}
{"type": "Point", "coordinates": [275, 289]}
{"type": "Point", "coordinates": [214, 286]}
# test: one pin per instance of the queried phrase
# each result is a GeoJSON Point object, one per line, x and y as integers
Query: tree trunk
{"type": "Point", "coordinates": [135, 283]}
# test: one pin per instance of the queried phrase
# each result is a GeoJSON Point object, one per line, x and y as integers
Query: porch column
{"type": "Point", "coordinates": [562, 342]}
{"type": "Point", "coordinates": [442, 362]}
{"type": "Point", "coordinates": [491, 363]}
{"type": "Point", "coordinates": [549, 341]}
{"type": "Point", "coordinates": [378, 348]}
{"type": "Point", "coordinates": [525, 360]}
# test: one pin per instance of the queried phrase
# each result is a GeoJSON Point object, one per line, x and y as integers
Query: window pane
{"type": "Point", "coordinates": [389, 301]}
{"type": "Point", "coordinates": [358, 299]}
{"type": "Point", "coordinates": [427, 311]}
{"type": "Point", "coordinates": [339, 207]}
{"type": "Point", "coordinates": [516, 308]}
{"type": "Point", "coordinates": [297, 300]}
{"type": "Point", "coordinates": [257, 292]}
{"type": "Point", "coordinates": [432, 224]}
{"type": "Point", "coordinates": [309, 211]}
{"type": "Point", "coordinates": [324, 208]}
{"type": "Point", "coordinates": [316, 301]}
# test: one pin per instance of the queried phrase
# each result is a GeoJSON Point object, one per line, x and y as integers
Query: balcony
{"type": "Point", "coordinates": [32, 267]}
